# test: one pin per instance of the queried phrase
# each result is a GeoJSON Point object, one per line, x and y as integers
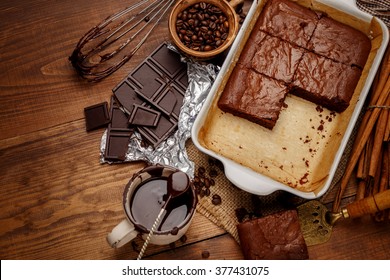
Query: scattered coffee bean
{"type": "Point", "coordinates": [183, 238]}
{"type": "Point", "coordinates": [202, 27]}
{"type": "Point", "coordinates": [216, 199]}
{"type": "Point", "coordinates": [213, 173]}
{"type": "Point", "coordinates": [205, 254]}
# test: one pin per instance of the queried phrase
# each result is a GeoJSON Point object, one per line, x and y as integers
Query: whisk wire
{"type": "Point", "coordinates": [88, 58]}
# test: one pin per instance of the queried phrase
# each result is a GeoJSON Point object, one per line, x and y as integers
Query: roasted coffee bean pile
{"type": "Point", "coordinates": [202, 27]}
{"type": "Point", "coordinates": [205, 177]}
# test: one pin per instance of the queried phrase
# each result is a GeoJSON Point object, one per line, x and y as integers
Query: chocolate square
{"type": "Point", "coordinates": [168, 61]}
{"type": "Point", "coordinates": [96, 116]}
{"type": "Point", "coordinates": [148, 80]}
{"type": "Point", "coordinates": [117, 145]}
{"type": "Point", "coordinates": [144, 116]}
{"type": "Point", "coordinates": [163, 129]}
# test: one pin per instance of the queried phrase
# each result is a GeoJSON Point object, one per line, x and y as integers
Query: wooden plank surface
{"type": "Point", "coordinates": [56, 200]}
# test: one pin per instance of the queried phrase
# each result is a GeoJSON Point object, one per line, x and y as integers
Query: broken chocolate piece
{"type": "Point", "coordinates": [126, 96]}
{"type": "Point", "coordinates": [117, 145]}
{"type": "Point", "coordinates": [155, 135]}
{"type": "Point", "coordinates": [96, 116]}
{"type": "Point", "coordinates": [144, 116]}
{"type": "Point", "coordinates": [119, 119]}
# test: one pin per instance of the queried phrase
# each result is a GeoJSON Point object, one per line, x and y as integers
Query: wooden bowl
{"type": "Point", "coordinates": [227, 9]}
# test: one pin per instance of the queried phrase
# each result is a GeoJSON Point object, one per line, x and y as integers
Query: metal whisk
{"type": "Point", "coordinates": [97, 54]}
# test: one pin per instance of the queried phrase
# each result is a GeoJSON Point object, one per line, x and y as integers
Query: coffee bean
{"type": "Point", "coordinates": [205, 254]}
{"type": "Point", "coordinates": [183, 238]}
{"type": "Point", "coordinates": [216, 199]}
{"type": "Point", "coordinates": [213, 173]}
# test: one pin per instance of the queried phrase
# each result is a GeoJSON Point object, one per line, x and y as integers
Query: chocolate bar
{"type": "Point", "coordinates": [96, 116]}
{"type": "Point", "coordinates": [157, 84]}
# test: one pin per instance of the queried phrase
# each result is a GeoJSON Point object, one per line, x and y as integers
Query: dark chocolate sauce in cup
{"type": "Point", "coordinates": [148, 199]}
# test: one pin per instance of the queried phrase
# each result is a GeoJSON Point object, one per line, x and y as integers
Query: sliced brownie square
{"type": "Point", "coordinates": [340, 42]}
{"type": "Point", "coordinates": [289, 21]}
{"type": "Point", "coordinates": [276, 58]}
{"type": "Point", "coordinates": [253, 96]}
{"type": "Point", "coordinates": [325, 82]}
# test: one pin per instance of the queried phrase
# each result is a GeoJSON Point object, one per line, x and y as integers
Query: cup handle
{"type": "Point", "coordinates": [121, 234]}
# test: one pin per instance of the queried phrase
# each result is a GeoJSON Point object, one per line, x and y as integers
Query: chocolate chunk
{"type": "Point", "coordinates": [119, 119]}
{"type": "Point", "coordinates": [96, 116]}
{"type": "Point", "coordinates": [117, 145]}
{"type": "Point", "coordinates": [144, 116]}
{"type": "Point", "coordinates": [146, 77]}
{"type": "Point", "coordinates": [167, 101]}
{"type": "Point", "coordinates": [126, 96]}
{"type": "Point", "coordinates": [168, 61]}
{"type": "Point", "coordinates": [163, 129]}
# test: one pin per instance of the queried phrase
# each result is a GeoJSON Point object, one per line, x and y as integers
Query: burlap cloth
{"type": "Point", "coordinates": [237, 205]}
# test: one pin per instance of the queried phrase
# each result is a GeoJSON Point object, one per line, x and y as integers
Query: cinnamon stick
{"type": "Point", "coordinates": [380, 94]}
{"type": "Point", "coordinates": [360, 143]}
{"type": "Point", "coordinates": [378, 140]}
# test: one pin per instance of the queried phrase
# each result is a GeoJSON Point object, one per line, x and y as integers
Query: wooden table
{"type": "Point", "coordinates": [56, 200]}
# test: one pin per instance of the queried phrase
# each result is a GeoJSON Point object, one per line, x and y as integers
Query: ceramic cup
{"type": "Point", "coordinates": [143, 198]}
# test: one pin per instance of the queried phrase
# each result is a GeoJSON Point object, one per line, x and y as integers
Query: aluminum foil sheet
{"type": "Point", "coordinates": [172, 151]}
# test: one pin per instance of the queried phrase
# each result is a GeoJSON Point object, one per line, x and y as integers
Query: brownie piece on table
{"type": "Point", "coordinates": [288, 21]}
{"type": "Point", "coordinates": [253, 96]}
{"type": "Point", "coordinates": [274, 237]}
{"type": "Point", "coordinates": [276, 58]}
{"type": "Point", "coordinates": [325, 82]}
{"type": "Point", "coordinates": [340, 42]}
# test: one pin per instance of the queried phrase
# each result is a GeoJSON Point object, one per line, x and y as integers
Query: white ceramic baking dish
{"type": "Point", "coordinates": [261, 161]}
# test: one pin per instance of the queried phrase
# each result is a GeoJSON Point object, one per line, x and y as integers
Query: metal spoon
{"type": "Point", "coordinates": [178, 183]}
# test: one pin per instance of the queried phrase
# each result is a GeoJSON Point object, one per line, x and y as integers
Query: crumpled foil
{"type": "Point", "coordinates": [172, 151]}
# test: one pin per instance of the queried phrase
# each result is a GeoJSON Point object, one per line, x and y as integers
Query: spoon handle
{"type": "Point", "coordinates": [151, 231]}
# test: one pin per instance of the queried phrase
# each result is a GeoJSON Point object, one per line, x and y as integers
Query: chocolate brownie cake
{"type": "Point", "coordinates": [297, 50]}
{"type": "Point", "coordinates": [276, 58]}
{"type": "Point", "coordinates": [253, 96]}
{"type": "Point", "coordinates": [288, 21]}
{"type": "Point", "coordinates": [274, 237]}
{"type": "Point", "coordinates": [340, 42]}
{"type": "Point", "coordinates": [325, 82]}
